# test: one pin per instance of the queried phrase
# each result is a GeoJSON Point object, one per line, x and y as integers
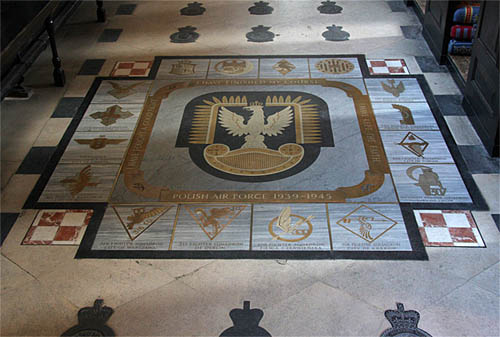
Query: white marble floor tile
{"type": "Point", "coordinates": [17, 191]}
{"type": "Point", "coordinates": [462, 130]}
{"type": "Point", "coordinates": [473, 310]}
{"type": "Point", "coordinates": [35, 310]}
{"type": "Point", "coordinates": [172, 310]}
{"type": "Point", "coordinates": [249, 279]}
{"type": "Point", "coordinates": [52, 132]}
{"type": "Point", "coordinates": [442, 84]}
{"type": "Point", "coordinates": [13, 277]}
{"type": "Point", "coordinates": [489, 186]}
{"type": "Point", "coordinates": [321, 310]}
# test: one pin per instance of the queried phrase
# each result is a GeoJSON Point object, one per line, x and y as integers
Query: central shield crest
{"type": "Point", "coordinates": [255, 136]}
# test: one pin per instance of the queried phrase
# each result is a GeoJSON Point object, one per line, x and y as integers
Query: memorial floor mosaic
{"type": "Point", "coordinates": [257, 157]}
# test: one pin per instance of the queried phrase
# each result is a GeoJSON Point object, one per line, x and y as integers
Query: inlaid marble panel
{"type": "Point", "coordinates": [433, 183]}
{"type": "Point", "coordinates": [183, 68]}
{"type": "Point", "coordinates": [233, 68]}
{"type": "Point", "coordinates": [110, 117]}
{"type": "Point", "coordinates": [290, 227]}
{"type": "Point", "coordinates": [96, 148]}
{"type": "Point", "coordinates": [284, 68]}
{"type": "Point", "coordinates": [120, 92]}
{"type": "Point", "coordinates": [213, 227]}
{"type": "Point", "coordinates": [394, 90]}
{"type": "Point", "coordinates": [368, 227]}
{"type": "Point", "coordinates": [334, 67]}
{"type": "Point", "coordinates": [415, 147]}
{"type": "Point", "coordinates": [407, 116]}
{"type": "Point", "coordinates": [80, 183]}
{"type": "Point", "coordinates": [136, 227]}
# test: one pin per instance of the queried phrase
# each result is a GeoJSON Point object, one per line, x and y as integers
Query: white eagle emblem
{"type": "Point", "coordinates": [256, 127]}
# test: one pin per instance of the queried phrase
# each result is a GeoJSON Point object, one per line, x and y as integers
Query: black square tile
{"type": "Point", "coordinates": [91, 67]}
{"type": "Point", "coordinates": [496, 217]}
{"type": "Point", "coordinates": [36, 159]}
{"type": "Point", "coordinates": [7, 220]}
{"type": "Point", "coordinates": [478, 160]}
{"type": "Point", "coordinates": [110, 35]}
{"type": "Point", "coordinates": [397, 6]}
{"type": "Point", "coordinates": [125, 9]}
{"type": "Point", "coordinates": [67, 107]}
{"type": "Point", "coordinates": [428, 64]}
{"type": "Point", "coordinates": [412, 32]}
{"type": "Point", "coordinates": [450, 105]}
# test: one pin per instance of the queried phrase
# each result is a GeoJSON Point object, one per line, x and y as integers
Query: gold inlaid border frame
{"type": "Point", "coordinates": [374, 150]}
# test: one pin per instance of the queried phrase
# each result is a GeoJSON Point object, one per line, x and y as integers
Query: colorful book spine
{"type": "Point", "coordinates": [459, 47]}
{"type": "Point", "coordinates": [466, 15]}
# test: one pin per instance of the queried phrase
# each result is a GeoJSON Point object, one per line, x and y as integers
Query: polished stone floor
{"type": "Point", "coordinates": [43, 286]}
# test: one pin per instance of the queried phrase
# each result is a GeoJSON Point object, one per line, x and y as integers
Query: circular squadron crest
{"type": "Point", "coordinates": [255, 136]}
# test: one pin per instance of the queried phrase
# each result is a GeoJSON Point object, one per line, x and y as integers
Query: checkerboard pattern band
{"type": "Point", "coordinates": [448, 229]}
{"type": "Point", "coordinates": [58, 227]}
{"type": "Point", "coordinates": [132, 68]}
{"type": "Point", "coordinates": [387, 67]}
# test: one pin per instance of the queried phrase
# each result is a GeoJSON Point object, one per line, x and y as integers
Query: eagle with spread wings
{"type": "Point", "coordinates": [256, 128]}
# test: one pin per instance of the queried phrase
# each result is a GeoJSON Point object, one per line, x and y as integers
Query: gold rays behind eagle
{"type": "Point", "coordinates": [305, 114]}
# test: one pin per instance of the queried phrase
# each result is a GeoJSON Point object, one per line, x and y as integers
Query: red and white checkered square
{"type": "Point", "coordinates": [388, 67]}
{"type": "Point", "coordinates": [58, 227]}
{"type": "Point", "coordinates": [132, 68]}
{"type": "Point", "coordinates": [448, 228]}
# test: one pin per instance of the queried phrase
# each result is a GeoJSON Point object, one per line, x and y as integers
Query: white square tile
{"type": "Point", "coordinates": [394, 63]}
{"type": "Point", "coordinates": [141, 65]}
{"type": "Point", "coordinates": [74, 219]}
{"type": "Point", "coordinates": [44, 233]}
{"type": "Point", "coordinates": [380, 70]}
{"type": "Point", "coordinates": [437, 234]}
{"type": "Point", "coordinates": [456, 220]}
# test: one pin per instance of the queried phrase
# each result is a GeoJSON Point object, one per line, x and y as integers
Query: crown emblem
{"type": "Point", "coordinates": [92, 321]}
{"type": "Point", "coordinates": [256, 103]}
{"type": "Point", "coordinates": [401, 318]}
{"type": "Point", "coordinates": [95, 314]}
{"type": "Point", "coordinates": [246, 322]}
{"type": "Point", "coordinates": [403, 321]}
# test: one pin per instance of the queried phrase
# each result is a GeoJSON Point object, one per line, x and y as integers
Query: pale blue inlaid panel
{"type": "Point", "coordinates": [183, 68]}
{"type": "Point", "coordinates": [213, 227]}
{"type": "Point", "coordinates": [415, 147]}
{"type": "Point", "coordinates": [311, 235]}
{"type": "Point", "coordinates": [119, 231]}
{"type": "Point", "coordinates": [434, 183]}
{"type": "Point", "coordinates": [368, 227]}
{"type": "Point", "coordinates": [394, 90]}
{"type": "Point", "coordinates": [390, 118]}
